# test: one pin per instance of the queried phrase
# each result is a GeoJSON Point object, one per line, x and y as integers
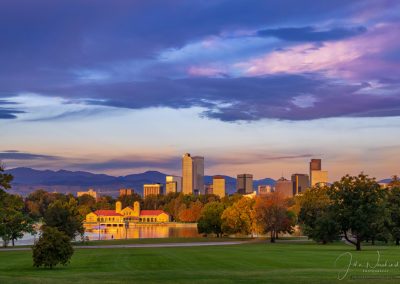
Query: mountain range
{"type": "Point", "coordinates": [27, 180]}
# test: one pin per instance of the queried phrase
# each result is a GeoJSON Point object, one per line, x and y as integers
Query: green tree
{"type": "Point", "coordinates": [14, 222]}
{"type": "Point", "coordinates": [210, 219]}
{"type": "Point", "coordinates": [65, 217]}
{"type": "Point", "coordinates": [52, 248]}
{"type": "Point", "coordinates": [359, 206]}
{"type": "Point", "coordinates": [394, 208]}
{"type": "Point", "coordinates": [316, 217]}
{"type": "Point", "coordinates": [128, 200]}
{"type": "Point", "coordinates": [5, 179]}
{"type": "Point", "coordinates": [237, 219]}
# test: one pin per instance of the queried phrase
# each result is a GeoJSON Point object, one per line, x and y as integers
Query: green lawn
{"type": "Point", "coordinates": [295, 262]}
{"type": "Point", "coordinates": [159, 241]}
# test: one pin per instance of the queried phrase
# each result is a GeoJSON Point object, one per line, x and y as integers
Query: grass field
{"type": "Point", "coordinates": [295, 262]}
{"type": "Point", "coordinates": [158, 241]}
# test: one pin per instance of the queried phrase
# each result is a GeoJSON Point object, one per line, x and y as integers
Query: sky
{"type": "Point", "coordinates": [257, 87]}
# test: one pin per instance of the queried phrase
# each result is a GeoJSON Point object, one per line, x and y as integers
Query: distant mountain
{"type": "Point", "coordinates": [27, 180]}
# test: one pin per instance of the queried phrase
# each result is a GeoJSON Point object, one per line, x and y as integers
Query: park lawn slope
{"type": "Point", "coordinates": [246, 263]}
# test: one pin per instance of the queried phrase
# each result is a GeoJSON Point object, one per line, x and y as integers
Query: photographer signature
{"type": "Point", "coordinates": [377, 266]}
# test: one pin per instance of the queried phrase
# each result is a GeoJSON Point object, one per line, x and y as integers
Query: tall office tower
{"type": "Point", "coordinates": [187, 174]}
{"type": "Point", "coordinates": [219, 186]}
{"type": "Point", "coordinates": [284, 187]}
{"type": "Point", "coordinates": [152, 189]}
{"type": "Point", "coordinates": [244, 183]}
{"type": "Point", "coordinates": [315, 165]}
{"type": "Point", "coordinates": [300, 183]}
{"type": "Point", "coordinates": [173, 184]}
{"type": "Point", "coordinates": [317, 176]}
{"type": "Point", "coordinates": [198, 174]}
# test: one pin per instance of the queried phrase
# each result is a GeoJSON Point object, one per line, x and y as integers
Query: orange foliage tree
{"type": "Point", "coordinates": [272, 216]}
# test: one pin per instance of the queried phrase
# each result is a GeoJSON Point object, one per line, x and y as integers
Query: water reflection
{"type": "Point", "coordinates": [139, 231]}
{"type": "Point", "coordinates": [135, 231]}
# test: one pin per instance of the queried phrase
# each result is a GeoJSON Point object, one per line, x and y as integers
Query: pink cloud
{"type": "Point", "coordinates": [343, 58]}
{"type": "Point", "coordinates": [204, 71]}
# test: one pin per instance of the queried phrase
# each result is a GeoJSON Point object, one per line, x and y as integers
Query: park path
{"type": "Point", "coordinates": [192, 244]}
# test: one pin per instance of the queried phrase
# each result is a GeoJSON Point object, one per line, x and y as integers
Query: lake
{"type": "Point", "coordinates": [135, 231]}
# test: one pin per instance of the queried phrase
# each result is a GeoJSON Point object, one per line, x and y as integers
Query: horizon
{"type": "Point", "coordinates": [253, 87]}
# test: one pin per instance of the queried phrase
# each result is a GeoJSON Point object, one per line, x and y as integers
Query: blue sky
{"type": "Point", "coordinates": [254, 86]}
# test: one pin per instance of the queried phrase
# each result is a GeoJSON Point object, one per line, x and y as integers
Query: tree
{"type": "Point", "coordinates": [272, 216]}
{"type": "Point", "coordinates": [237, 219]}
{"type": "Point", "coordinates": [65, 217]}
{"type": "Point", "coordinates": [191, 214]}
{"type": "Point", "coordinates": [14, 222]}
{"type": "Point", "coordinates": [210, 219]}
{"type": "Point", "coordinates": [359, 206]}
{"type": "Point", "coordinates": [5, 179]}
{"type": "Point", "coordinates": [38, 201]}
{"type": "Point", "coordinates": [394, 207]}
{"type": "Point", "coordinates": [316, 217]}
{"type": "Point", "coordinates": [128, 200]}
{"type": "Point", "coordinates": [52, 248]}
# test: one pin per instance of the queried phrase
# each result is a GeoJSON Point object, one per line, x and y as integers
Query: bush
{"type": "Point", "coordinates": [53, 247]}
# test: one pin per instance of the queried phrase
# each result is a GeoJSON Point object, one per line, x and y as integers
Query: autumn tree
{"type": "Point", "coordinates": [237, 219]}
{"type": "Point", "coordinates": [272, 216]}
{"type": "Point", "coordinates": [210, 221]}
{"type": "Point", "coordinates": [53, 248]}
{"type": "Point", "coordinates": [191, 213]}
{"type": "Point", "coordinates": [316, 216]}
{"type": "Point", "coordinates": [359, 207]}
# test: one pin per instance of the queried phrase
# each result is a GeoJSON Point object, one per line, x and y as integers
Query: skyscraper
{"type": "Point", "coordinates": [192, 174]}
{"type": "Point", "coordinates": [300, 183]}
{"type": "Point", "coordinates": [219, 186]}
{"type": "Point", "coordinates": [173, 184]}
{"type": "Point", "coordinates": [284, 187]}
{"type": "Point", "coordinates": [317, 176]}
{"type": "Point", "coordinates": [244, 183]}
{"type": "Point", "coordinates": [152, 189]}
{"type": "Point", "coordinates": [198, 174]}
{"type": "Point", "coordinates": [187, 174]}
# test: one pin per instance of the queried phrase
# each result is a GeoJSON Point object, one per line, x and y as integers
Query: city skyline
{"type": "Point", "coordinates": [251, 86]}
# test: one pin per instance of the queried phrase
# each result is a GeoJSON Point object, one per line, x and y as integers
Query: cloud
{"type": "Point", "coordinates": [6, 113]}
{"type": "Point", "coordinates": [17, 155]}
{"type": "Point", "coordinates": [311, 33]}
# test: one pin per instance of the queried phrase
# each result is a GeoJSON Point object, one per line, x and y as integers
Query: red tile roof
{"type": "Point", "coordinates": [151, 212]}
{"type": "Point", "coordinates": [106, 213]}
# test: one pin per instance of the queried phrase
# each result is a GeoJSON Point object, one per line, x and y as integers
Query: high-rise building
{"type": "Point", "coordinates": [198, 174]}
{"type": "Point", "coordinates": [244, 183]}
{"type": "Point", "coordinates": [284, 187]}
{"type": "Point", "coordinates": [264, 189]}
{"type": "Point", "coordinates": [152, 189]}
{"type": "Point", "coordinates": [173, 184]}
{"type": "Point", "coordinates": [219, 186]}
{"type": "Point", "coordinates": [187, 174]}
{"type": "Point", "coordinates": [300, 183]}
{"type": "Point", "coordinates": [317, 176]}
{"type": "Point", "coordinates": [192, 174]}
